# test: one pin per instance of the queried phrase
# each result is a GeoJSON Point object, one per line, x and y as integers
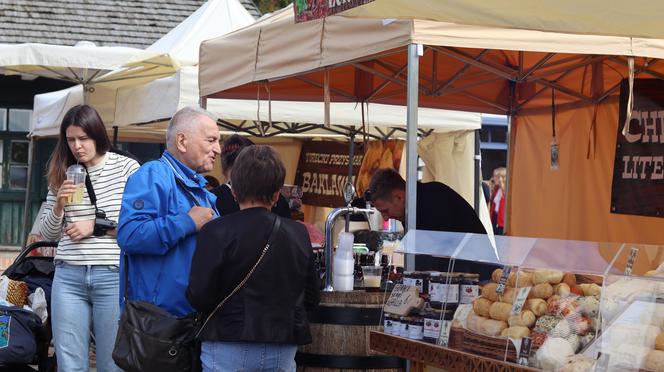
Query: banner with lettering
{"type": "Point", "coordinates": [638, 171]}
{"type": "Point", "coordinates": [307, 10]}
{"type": "Point", "coordinates": [322, 172]}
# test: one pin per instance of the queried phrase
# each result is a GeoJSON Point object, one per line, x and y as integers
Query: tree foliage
{"type": "Point", "coordinates": [267, 6]}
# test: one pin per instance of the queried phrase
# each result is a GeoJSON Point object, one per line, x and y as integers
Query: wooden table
{"type": "Point", "coordinates": [422, 354]}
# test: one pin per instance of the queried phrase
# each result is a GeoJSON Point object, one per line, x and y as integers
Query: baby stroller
{"type": "Point", "coordinates": [35, 271]}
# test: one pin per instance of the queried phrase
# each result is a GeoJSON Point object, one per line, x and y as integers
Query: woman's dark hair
{"type": "Point", "coordinates": [230, 149]}
{"type": "Point", "coordinates": [257, 174]}
{"type": "Point", "coordinates": [86, 118]}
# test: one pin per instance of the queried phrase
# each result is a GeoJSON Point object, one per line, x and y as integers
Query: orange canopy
{"type": "Point", "coordinates": [471, 68]}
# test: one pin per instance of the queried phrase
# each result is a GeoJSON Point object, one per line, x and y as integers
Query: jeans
{"type": "Point", "coordinates": [83, 296]}
{"type": "Point", "coordinates": [247, 356]}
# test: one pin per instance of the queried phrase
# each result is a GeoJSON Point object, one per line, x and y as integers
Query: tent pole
{"type": "Point", "coordinates": [28, 200]}
{"type": "Point", "coordinates": [411, 136]}
{"type": "Point", "coordinates": [411, 143]}
{"type": "Point", "coordinates": [477, 179]}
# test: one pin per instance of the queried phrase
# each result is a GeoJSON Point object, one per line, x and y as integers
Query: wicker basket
{"type": "Point", "coordinates": [498, 348]}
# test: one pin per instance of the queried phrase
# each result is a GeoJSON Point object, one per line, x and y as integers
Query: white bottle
{"type": "Point", "coordinates": [344, 265]}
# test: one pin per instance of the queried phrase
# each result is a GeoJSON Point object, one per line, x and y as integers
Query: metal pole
{"type": "Point", "coordinates": [28, 200]}
{"type": "Point", "coordinates": [411, 142]}
{"type": "Point", "coordinates": [478, 178]}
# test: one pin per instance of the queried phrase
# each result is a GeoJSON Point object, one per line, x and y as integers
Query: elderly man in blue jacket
{"type": "Point", "coordinates": [165, 203]}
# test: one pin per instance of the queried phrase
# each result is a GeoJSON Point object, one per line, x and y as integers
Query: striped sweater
{"type": "Point", "coordinates": [108, 181]}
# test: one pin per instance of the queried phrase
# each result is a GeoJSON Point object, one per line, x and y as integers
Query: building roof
{"type": "Point", "coordinates": [134, 23]}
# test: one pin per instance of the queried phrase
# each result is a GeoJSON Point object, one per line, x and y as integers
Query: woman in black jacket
{"type": "Point", "coordinates": [226, 203]}
{"type": "Point", "coordinates": [260, 326]}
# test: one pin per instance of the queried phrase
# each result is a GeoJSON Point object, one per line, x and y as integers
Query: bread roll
{"type": "Point", "coordinates": [561, 289]}
{"type": "Point", "coordinates": [591, 289]}
{"type": "Point", "coordinates": [473, 322]}
{"type": "Point", "coordinates": [547, 276]}
{"type": "Point", "coordinates": [520, 279]}
{"type": "Point", "coordinates": [492, 327]}
{"type": "Point", "coordinates": [489, 292]}
{"type": "Point", "coordinates": [659, 342]}
{"type": "Point", "coordinates": [508, 296]}
{"type": "Point", "coordinates": [515, 332]}
{"type": "Point", "coordinates": [481, 306]}
{"type": "Point", "coordinates": [500, 311]}
{"type": "Point", "coordinates": [654, 273]}
{"type": "Point", "coordinates": [542, 290]}
{"type": "Point", "coordinates": [524, 319]}
{"type": "Point", "coordinates": [655, 361]}
{"type": "Point", "coordinates": [569, 279]}
{"type": "Point", "coordinates": [536, 305]}
{"type": "Point", "coordinates": [496, 274]}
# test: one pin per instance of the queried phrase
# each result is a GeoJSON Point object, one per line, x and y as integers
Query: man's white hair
{"type": "Point", "coordinates": [186, 119]}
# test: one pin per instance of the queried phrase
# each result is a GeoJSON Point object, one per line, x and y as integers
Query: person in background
{"type": "Point", "coordinates": [85, 287]}
{"type": "Point", "coordinates": [260, 326]}
{"type": "Point", "coordinates": [164, 206]}
{"type": "Point", "coordinates": [212, 182]}
{"type": "Point", "coordinates": [497, 206]}
{"type": "Point", "coordinates": [226, 203]}
{"type": "Point", "coordinates": [439, 208]}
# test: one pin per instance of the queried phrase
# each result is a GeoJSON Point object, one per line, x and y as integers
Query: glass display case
{"type": "Point", "coordinates": [545, 303]}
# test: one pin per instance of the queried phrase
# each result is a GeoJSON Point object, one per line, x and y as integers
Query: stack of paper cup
{"type": "Point", "coordinates": [344, 265]}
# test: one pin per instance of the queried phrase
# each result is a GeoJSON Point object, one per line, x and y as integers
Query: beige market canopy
{"type": "Point", "coordinates": [85, 63]}
{"type": "Point", "coordinates": [639, 18]}
{"type": "Point", "coordinates": [466, 67]}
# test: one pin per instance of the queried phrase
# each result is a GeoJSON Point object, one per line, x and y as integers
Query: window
{"type": "Point", "coordinates": [3, 119]}
{"type": "Point", "coordinates": [14, 148]}
{"type": "Point", "coordinates": [19, 120]}
{"type": "Point", "coordinates": [18, 167]}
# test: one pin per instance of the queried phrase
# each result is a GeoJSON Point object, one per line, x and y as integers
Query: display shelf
{"type": "Point", "coordinates": [422, 353]}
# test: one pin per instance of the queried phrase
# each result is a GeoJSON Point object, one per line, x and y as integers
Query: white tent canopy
{"type": "Point", "coordinates": [158, 100]}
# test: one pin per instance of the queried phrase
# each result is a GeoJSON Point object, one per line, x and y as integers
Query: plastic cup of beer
{"type": "Point", "coordinates": [76, 173]}
{"type": "Point", "coordinates": [372, 275]}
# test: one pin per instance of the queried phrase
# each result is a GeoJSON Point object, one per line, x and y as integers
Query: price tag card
{"type": "Point", "coordinates": [503, 279]}
{"type": "Point", "coordinates": [520, 300]}
{"type": "Point", "coordinates": [524, 353]}
{"type": "Point", "coordinates": [445, 329]}
{"type": "Point", "coordinates": [630, 261]}
{"type": "Point", "coordinates": [402, 300]}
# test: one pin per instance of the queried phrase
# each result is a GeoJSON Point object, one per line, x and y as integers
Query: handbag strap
{"type": "Point", "coordinates": [275, 229]}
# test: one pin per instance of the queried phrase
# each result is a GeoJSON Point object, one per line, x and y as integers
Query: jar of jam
{"type": "Point", "coordinates": [396, 326]}
{"type": "Point", "coordinates": [388, 324]}
{"type": "Point", "coordinates": [453, 289]}
{"type": "Point", "coordinates": [443, 289]}
{"type": "Point", "coordinates": [403, 328]}
{"type": "Point", "coordinates": [416, 327]}
{"type": "Point", "coordinates": [419, 279]}
{"type": "Point", "coordinates": [469, 288]}
{"type": "Point", "coordinates": [437, 289]}
{"type": "Point", "coordinates": [433, 321]}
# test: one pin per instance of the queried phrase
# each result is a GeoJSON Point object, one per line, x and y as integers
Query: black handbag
{"type": "Point", "coordinates": [151, 339]}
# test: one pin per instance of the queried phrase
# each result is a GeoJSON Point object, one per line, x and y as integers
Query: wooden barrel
{"type": "Point", "coordinates": [340, 332]}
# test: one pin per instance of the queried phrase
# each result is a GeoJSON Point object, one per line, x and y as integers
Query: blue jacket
{"type": "Point", "coordinates": [157, 234]}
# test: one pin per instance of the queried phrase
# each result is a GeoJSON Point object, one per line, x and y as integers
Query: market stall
{"type": "Point", "coordinates": [562, 93]}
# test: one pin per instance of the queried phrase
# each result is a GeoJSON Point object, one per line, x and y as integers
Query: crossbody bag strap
{"type": "Point", "coordinates": [275, 229]}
